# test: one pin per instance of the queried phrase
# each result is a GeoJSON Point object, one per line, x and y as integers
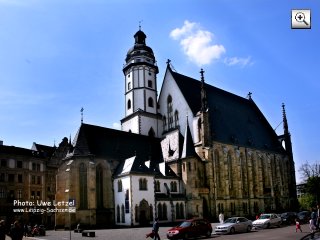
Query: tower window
{"type": "Point", "coordinates": [129, 104]}
{"type": "Point", "coordinates": [150, 102]}
{"type": "Point", "coordinates": [129, 85]}
{"type": "Point", "coordinates": [150, 83]}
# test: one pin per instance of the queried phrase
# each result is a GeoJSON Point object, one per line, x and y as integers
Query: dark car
{"type": "Point", "coordinates": [304, 216]}
{"type": "Point", "coordinates": [190, 228]}
{"type": "Point", "coordinates": [288, 218]}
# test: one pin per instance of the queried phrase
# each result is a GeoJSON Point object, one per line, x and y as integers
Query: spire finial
{"type": "Point", "coordinates": [285, 122]}
{"type": "Point", "coordinates": [168, 61]}
{"type": "Point", "coordinates": [249, 95]}
{"type": "Point", "coordinates": [202, 76]}
{"type": "Point", "coordinates": [203, 93]}
{"type": "Point", "coordinates": [81, 110]}
{"type": "Point", "coordinates": [140, 25]}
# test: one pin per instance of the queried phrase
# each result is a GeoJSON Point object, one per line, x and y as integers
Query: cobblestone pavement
{"type": "Point", "coordinates": [283, 233]}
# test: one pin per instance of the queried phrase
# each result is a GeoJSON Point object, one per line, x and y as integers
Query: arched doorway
{"type": "Point", "coordinates": [144, 213]}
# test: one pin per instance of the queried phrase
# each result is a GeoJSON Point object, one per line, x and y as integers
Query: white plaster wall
{"type": "Point", "coordinates": [139, 99]}
{"type": "Point", "coordinates": [131, 124]}
{"type": "Point", "coordinates": [139, 195]}
{"type": "Point", "coordinates": [119, 198]}
{"type": "Point", "coordinates": [178, 102]}
{"type": "Point", "coordinates": [147, 123]}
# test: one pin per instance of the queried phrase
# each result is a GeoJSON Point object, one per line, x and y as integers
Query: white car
{"type": "Point", "coordinates": [267, 220]}
{"type": "Point", "coordinates": [234, 224]}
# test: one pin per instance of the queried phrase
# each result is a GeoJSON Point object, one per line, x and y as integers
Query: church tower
{"type": "Point", "coordinates": [140, 71]}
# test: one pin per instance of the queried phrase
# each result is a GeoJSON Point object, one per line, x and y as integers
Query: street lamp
{"type": "Point", "coordinates": [68, 170]}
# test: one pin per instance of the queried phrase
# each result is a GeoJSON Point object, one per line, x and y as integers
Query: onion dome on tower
{"type": "Point", "coordinates": [140, 53]}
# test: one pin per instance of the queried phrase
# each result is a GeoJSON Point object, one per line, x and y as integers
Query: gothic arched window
{"type": "Point", "coordinates": [176, 118]}
{"type": "Point", "coordinates": [157, 186]}
{"type": "Point", "coordinates": [118, 213]}
{"type": "Point", "coordinates": [119, 186]}
{"type": "Point", "coordinates": [122, 214]}
{"type": "Point", "coordinates": [129, 104]}
{"type": "Point", "coordinates": [83, 186]}
{"type": "Point", "coordinates": [151, 133]}
{"type": "Point", "coordinates": [143, 184]}
{"type": "Point", "coordinates": [170, 112]}
{"type": "Point", "coordinates": [99, 186]}
{"type": "Point", "coordinates": [164, 123]}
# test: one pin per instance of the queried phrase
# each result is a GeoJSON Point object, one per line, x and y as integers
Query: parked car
{"type": "Point", "coordinates": [234, 224]}
{"type": "Point", "coordinates": [190, 228]}
{"type": "Point", "coordinates": [267, 220]}
{"type": "Point", "coordinates": [304, 216]}
{"type": "Point", "coordinates": [288, 217]}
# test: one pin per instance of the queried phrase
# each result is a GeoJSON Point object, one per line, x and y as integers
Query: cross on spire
{"type": "Point", "coordinates": [140, 24]}
{"type": "Point", "coordinates": [81, 110]}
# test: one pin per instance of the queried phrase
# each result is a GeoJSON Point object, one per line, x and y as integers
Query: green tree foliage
{"type": "Point", "coordinates": [306, 201]}
{"type": "Point", "coordinates": [311, 174]}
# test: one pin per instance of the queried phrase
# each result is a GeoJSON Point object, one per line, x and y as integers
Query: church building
{"type": "Point", "coordinates": [193, 150]}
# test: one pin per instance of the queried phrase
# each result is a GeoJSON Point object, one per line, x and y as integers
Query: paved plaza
{"type": "Point", "coordinates": [282, 233]}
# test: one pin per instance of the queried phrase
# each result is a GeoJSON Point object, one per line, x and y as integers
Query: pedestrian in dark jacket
{"type": "Point", "coordinates": [155, 229]}
{"type": "Point", "coordinates": [3, 230]}
{"type": "Point", "coordinates": [16, 231]}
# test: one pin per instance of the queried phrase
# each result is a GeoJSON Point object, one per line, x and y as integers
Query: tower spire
{"type": "Point", "coordinates": [284, 119]}
{"type": "Point", "coordinates": [203, 93]}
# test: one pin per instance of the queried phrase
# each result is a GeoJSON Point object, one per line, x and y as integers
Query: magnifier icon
{"type": "Point", "coordinates": [300, 17]}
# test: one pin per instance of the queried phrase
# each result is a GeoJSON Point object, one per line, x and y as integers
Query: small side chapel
{"type": "Point", "coordinates": [194, 150]}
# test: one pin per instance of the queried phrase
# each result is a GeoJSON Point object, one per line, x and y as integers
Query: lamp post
{"type": "Point", "coordinates": [68, 170]}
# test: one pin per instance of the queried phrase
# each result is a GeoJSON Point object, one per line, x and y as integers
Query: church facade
{"type": "Point", "coordinates": [194, 150]}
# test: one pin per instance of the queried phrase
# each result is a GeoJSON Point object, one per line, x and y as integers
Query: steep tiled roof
{"type": "Point", "coordinates": [110, 143]}
{"type": "Point", "coordinates": [12, 150]}
{"type": "Point", "coordinates": [188, 145]}
{"type": "Point", "coordinates": [46, 151]}
{"type": "Point", "coordinates": [233, 119]}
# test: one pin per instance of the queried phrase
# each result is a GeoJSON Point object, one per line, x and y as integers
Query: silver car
{"type": "Point", "coordinates": [234, 224]}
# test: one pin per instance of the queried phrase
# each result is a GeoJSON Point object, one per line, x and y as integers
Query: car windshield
{"type": "Point", "coordinates": [230, 220]}
{"type": "Point", "coordinates": [265, 216]}
{"type": "Point", "coordinates": [185, 224]}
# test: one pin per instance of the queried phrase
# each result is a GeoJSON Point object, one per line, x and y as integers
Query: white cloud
{"type": "Point", "coordinates": [197, 43]}
{"type": "Point", "coordinates": [242, 62]}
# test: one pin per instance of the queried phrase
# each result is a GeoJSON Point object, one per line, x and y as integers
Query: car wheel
{"type": "Point", "coordinates": [249, 228]}
{"type": "Point", "coordinates": [268, 225]}
{"type": "Point", "coordinates": [186, 236]}
{"type": "Point", "coordinates": [208, 234]}
{"type": "Point", "coordinates": [232, 230]}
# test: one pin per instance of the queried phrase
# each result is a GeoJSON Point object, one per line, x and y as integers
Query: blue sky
{"type": "Point", "coordinates": [58, 56]}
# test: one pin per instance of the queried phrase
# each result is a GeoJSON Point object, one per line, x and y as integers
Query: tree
{"type": "Point", "coordinates": [311, 174]}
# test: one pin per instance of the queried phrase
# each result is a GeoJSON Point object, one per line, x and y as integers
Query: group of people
{"type": "Point", "coordinates": [16, 231]}
{"type": "Point", "coordinates": [314, 220]}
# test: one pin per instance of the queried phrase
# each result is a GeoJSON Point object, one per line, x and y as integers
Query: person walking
{"type": "Point", "coordinates": [16, 232]}
{"type": "Point", "coordinates": [221, 218]}
{"type": "Point", "coordinates": [155, 229]}
{"type": "Point", "coordinates": [2, 230]}
{"type": "Point", "coordinates": [298, 226]}
{"type": "Point", "coordinates": [312, 226]}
